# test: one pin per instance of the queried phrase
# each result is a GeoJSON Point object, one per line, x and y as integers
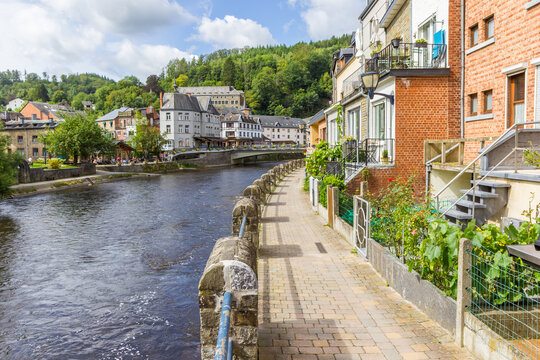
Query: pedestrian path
{"type": "Point", "coordinates": [318, 300]}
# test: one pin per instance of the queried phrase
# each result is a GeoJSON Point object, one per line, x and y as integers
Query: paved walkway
{"type": "Point", "coordinates": [317, 300]}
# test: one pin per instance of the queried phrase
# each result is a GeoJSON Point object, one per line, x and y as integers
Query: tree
{"type": "Point", "coordinates": [182, 80]}
{"type": "Point", "coordinates": [147, 140]}
{"type": "Point", "coordinates": [228, 73]}
{"type": "Point", "coordinates": [58, 96]}
{"type": "Point", "coordinates": [152, 84]}
{"type": "Point", "coordinates": [39, 93]}
{"type": "Point", "coordinates": [8, 165]}
{"type": "Point", "coordinates": [79, 137]}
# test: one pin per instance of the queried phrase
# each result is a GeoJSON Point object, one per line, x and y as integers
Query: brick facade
{"type": "Point", "coordinates": [426, 107]}
{"type": "Point", "coordinates": [516, 41]}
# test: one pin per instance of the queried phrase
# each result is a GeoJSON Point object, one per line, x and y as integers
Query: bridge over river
{"type": "Point", "coordinates": [240, 155]}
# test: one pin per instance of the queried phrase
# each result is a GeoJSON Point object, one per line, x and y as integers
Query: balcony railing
{"type": "Point", "coordinates": [352, 82]}
{"type": "Point", "coordinates": [408, 56]}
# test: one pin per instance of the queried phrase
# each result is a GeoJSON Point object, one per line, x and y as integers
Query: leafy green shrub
{"type": "Point", "coordinates": [316, 162]}
{"type": "Point", "coordinates": [532, 156]}
{"type": "Point", "coordinates": [428, 244]}
{"type": "Point", "coordinates": [333, 181]}
{"type": "Point", "coordinates": [306, 183]}
{"type": "Point", "coordinates": [54, 164]}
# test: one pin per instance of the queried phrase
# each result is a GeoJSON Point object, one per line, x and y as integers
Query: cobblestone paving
{"type": "Point", "coordinates": [324, 302]}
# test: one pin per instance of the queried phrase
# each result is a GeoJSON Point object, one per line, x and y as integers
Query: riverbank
{"type": "Point", "coordinates": [101, 177]}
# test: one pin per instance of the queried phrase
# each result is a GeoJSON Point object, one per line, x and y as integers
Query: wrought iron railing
{"type": "Point", "coordinates": [408, 56]}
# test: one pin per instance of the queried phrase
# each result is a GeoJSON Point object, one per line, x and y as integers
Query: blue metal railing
{"type": "Point", "coordinates": [223, 341]}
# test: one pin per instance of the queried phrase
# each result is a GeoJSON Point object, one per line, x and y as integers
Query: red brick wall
{"type": "Point", "coordinates": [517, 40]}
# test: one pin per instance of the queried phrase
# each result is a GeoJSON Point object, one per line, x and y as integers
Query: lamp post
{"type": "Point", "coordinates": [370, 80]}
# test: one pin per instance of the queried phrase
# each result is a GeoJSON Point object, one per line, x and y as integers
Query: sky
{"type": "Point", "coordinates": [118, 38]}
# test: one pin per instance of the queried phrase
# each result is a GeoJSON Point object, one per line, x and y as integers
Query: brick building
{"type": "Point", "coordinates": [43, 111]}
{"type": "Point", "coordinates": [418, 93]}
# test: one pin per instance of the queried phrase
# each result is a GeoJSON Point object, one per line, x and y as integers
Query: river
{"type": "Point", "coordinates": [111, 272]}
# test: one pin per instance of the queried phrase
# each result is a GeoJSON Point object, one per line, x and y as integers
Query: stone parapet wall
{"type": "Point", "coordinates": [232, 267]}
{"type": "Point", "coordinates": [30, 175]}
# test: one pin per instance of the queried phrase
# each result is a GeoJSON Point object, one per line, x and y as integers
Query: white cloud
{"type": "Point", "coordinates": [143, 60]}
{"type": "Point", "coordinates": [324, 18]}
{"type": "Point", "coordinates": [231, 32]}
{"type": "Point", "coordinates": [69, 36]}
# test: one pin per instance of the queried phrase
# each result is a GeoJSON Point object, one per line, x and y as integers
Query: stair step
{"type": "Point", "coordinates": [481, 194]}
{"type": "Point", "coordinates": [458, 215]}
{"type": "Point", "coordinates": [494, 184]}
{"type": "Point", "coordinates": [470, 204]}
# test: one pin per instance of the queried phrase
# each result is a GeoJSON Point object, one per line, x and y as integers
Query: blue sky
{"type": "Point", "coordinates": [117, 38]}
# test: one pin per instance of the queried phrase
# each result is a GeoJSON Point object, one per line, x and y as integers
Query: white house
{"type": "Point", "coordinates": [15, 104]}
{"type": "Point", "coordinates": [239, 128]}
{"type": "Point", "coordinates": [284, 129]}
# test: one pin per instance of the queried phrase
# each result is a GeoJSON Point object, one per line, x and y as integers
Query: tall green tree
{"type": "Point", "coordinates": [147, 140]}
{"type": "Point", "coordinates": [228, 74]}
{"type": "Point", "coordinates": [39, 93]}
{"type": "Point", "coordinates": [8, 165]}
{"type": "Point", "coordinates": [79, 137]}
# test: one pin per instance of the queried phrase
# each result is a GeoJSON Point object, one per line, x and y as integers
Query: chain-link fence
{"type": "Point", "coordinates": [505, 296]}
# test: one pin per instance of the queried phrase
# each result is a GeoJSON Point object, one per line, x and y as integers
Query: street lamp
{"type": "Point", "coordinates": [370, 80]}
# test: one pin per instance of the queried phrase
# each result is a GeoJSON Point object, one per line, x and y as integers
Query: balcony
{"type": "Point", "coordinates": [408, 56]}
{"type": "Point", "coordinates": [352, 82]}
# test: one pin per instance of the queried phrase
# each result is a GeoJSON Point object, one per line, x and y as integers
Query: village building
{"type": "Point", "coordinates": [219, 95]}
{"type": "Point", "coordinates": [241, 129]}
{"type": "Point", "coordinates": [24, 135]}
{"type": "Point", "coordinates": [317, 129]}
{"type": "Point", "coordinates": [281, 130]}
{"type": "Point", "coordinates": [43, 111]}
{"type": "Point", "coordinates": [15, 104]}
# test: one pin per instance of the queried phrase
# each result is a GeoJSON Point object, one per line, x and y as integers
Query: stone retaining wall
{"type": "Point", "coordinates": [31, 175]}
{"type": "Point", "coordinates": [232, 266]}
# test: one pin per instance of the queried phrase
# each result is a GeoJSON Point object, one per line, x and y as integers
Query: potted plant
{"type": "Point", "coordinates": [385, 160]}
{"type": "Point", "coordinates": [420, 43]}
{"type": "Point", "coordinates": [365, 174]}
{"type": "Point", "coordinates": [395, 42]}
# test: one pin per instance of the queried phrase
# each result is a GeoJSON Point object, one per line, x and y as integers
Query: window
{"type": "Point", "coordinates": [187, 142]}
{"type": "Point", "coordinates": [186, 116]}
{"type": "Point", "coordinates": [488, 102]}
{"type": "Point", "coordinates": [35, 152]}
{"type": "Point", "coordinates": [168, 116]}
{"type": "Point", "coordinates": [187, 130]}
{"type": "Point", "coordinates": [516, 99]}
{"type": "Point", "coordinates": [380, 121]}
{"type": "Point", "coordinates": [474, 35]}
{"type": "Point", "coordinates": [180, 143]}
{"type": "Point", "coordinates": [180, 129]}
{"type": "Point", "coordinates": [19, 139]}
{"type": "Point", "coordinates": [34, 139]}
{"type": "Point", "coordinates": [473, 103]}
{"type": "Point", "coordinates": [489, 26]}
{"type": "Point", "coordinates": [20, 151]}
{"type": "Point", "coordinates": [168, 129]}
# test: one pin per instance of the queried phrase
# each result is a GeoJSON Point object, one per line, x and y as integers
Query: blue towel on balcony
{"type": "Point", "coordinates": [438, 39]}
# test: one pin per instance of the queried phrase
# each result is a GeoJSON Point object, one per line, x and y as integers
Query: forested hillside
{"type": "Point", "coordinates": [278, 80]}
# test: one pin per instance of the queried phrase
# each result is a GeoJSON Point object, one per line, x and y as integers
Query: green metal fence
{"type": "Point", "coordinates": [505, 296]}
{"type": "Point", "coordinates": [346, 207]}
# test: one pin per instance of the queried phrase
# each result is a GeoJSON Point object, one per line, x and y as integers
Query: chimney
{"type": "Point", "coordinates": [188, 94]}
{"type": "Point", "coordinates": [246, 111]}
{"type": "Point", "coordinates": [160, 100]}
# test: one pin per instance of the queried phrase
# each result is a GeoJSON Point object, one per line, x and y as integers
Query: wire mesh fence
{"type": "Point", "coordinates": [346, 207]}
{"type": "Point", "coordinates": [505, 296]}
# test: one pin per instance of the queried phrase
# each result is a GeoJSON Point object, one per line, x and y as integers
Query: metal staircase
{"type": "Point", "coordinates": [487, 198]}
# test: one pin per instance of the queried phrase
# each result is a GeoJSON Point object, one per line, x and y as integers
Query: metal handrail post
{"type": "Point", "coordinates": [229, 350]}
{"type": "Point", "coordinates": [224, 325]}
{"type": "Point", "coordinates": [515, 151]}
{"type": "Point", "coordinates": [474, 189]}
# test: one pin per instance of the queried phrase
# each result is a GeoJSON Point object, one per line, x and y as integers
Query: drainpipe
{"type": "Point", "coordinates": [462, 111]}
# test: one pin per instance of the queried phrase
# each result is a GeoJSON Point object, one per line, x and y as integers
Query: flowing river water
{"type": "Point", "coordinates": [111, 272]}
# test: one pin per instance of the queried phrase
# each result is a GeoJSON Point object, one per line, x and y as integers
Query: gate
{"type": "Point", "coordinates": [362, 224]}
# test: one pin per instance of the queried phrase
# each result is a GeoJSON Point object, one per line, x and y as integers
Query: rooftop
{"type": "Point", "coordinates": [209, 90]}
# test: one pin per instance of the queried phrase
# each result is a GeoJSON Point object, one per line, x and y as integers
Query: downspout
{"type": "Point", "coordinates": [462, 105]}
